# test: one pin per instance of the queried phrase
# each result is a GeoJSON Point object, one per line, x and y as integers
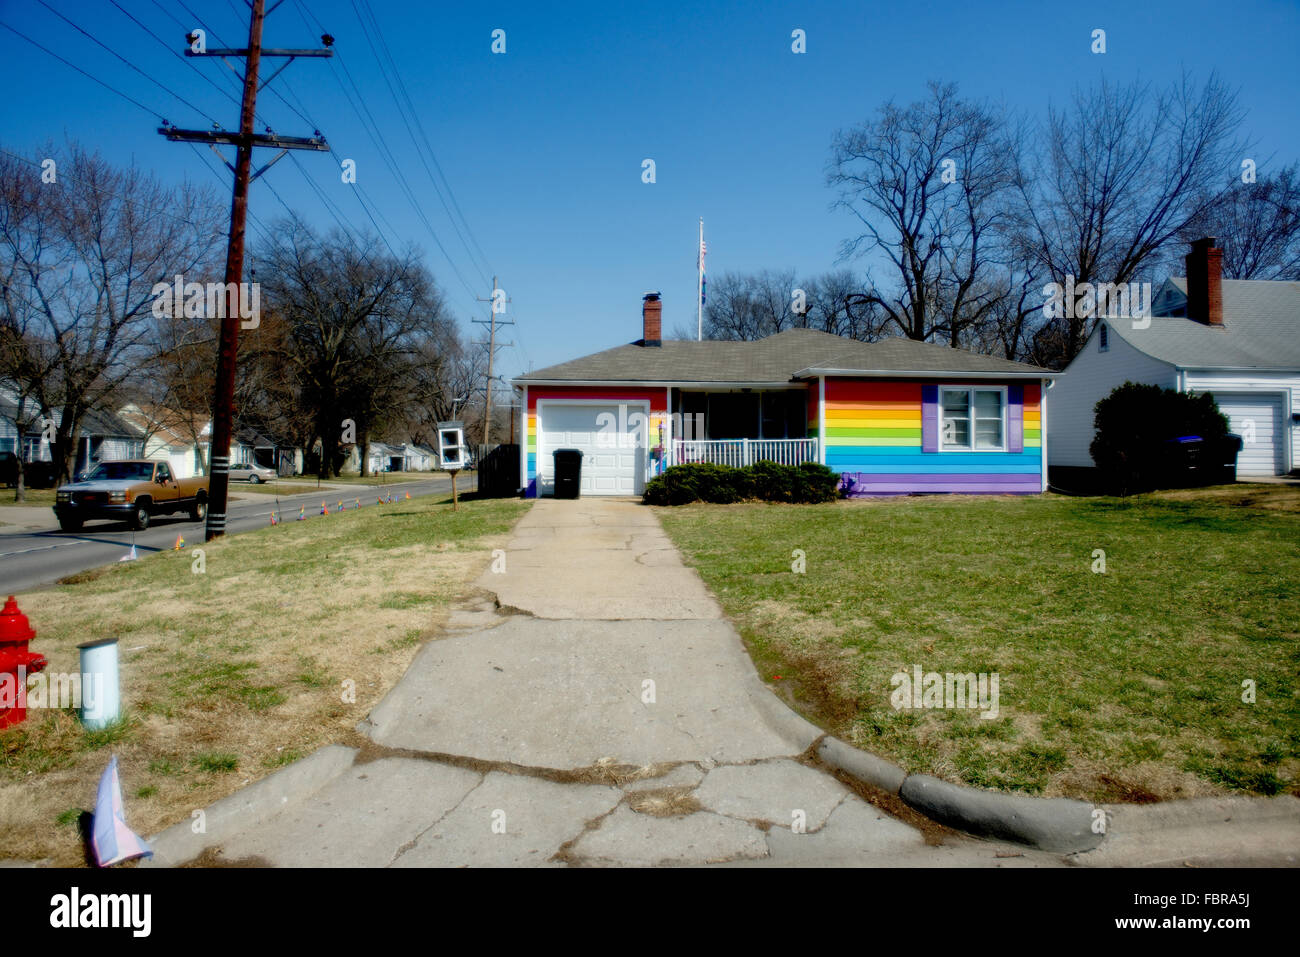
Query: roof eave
{"type": "Point", "coordinates": [926, 373]}
{"type": "Point", "coordinates": [658, 383]}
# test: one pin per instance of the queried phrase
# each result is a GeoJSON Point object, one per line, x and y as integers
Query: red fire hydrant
{"type": "Point", "coordinates": [16, 663]}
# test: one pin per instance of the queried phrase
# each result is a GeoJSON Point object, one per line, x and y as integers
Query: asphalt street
{"type": "Point", "coordinates": [32, 558]}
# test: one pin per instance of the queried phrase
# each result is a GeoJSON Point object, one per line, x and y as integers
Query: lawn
{"type": "Point", "coordinates": [279, 488]}
{"type": "Point", "coordinates": [36, 497]}
{"type": "Point", "coordinates": [1122, 685]}
{"type": "Point", "coordinates": [234, 672]}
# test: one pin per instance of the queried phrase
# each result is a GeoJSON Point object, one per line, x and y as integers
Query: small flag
{"type": "Point", "coordinates": [324, 510]}
{"type": "Point", "coordinates": [273, 521]}
{"type": "Point", "coordinates": [341, 508]}
{"type": "Point", "coordinates": [379, 500]}
{"type": "Point", "coordinates": [113, 841]}
{"type": "Point", "coordinates": [180, 543]}
{"type": "Point", "coordinates": [358, 501]}
{"type": "Point", "coordinates": [129, 556]}
{"type": "Point", "coordinates": [408, 496]}
{"type": "Point", "coordinates": [302, 510]}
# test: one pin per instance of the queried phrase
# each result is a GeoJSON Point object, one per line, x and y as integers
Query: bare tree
{"type": "Point", "coordinates": [105, 238]}
{"type": "Point", "coordinates": [1121, 173]}
{"type": "Point", "coordinates": [1257, 225]}
{"type": "Point", "coordinates": [929, 184]}
{"type": "Point", "coordinates": [358, 323]}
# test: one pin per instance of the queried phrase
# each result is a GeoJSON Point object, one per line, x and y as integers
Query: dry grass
{"type": "Point", "coordinates": [230, 674]}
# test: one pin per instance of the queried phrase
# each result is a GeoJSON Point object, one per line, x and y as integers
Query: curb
{"type": "Point", "coordinates": [1060, 825]}
{"type": "Point", "coordinates": [179, 844]}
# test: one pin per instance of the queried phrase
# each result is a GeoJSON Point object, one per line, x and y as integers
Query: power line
{"type": "Point", "coordinates": [410, 109]}
{"type": "Point", "coordinates": [90, 76]}
{"type": "Point", "coordinates": [119, 56]}
{"type": "Point", "coordinates": [189, 63]}
{"type": "Point", "coordinates": [386, 153]}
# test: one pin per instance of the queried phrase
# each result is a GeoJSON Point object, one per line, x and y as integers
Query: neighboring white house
{"type": "Point", "coordinates": [419, 458]}
{"type": "Point", "coordinates": [170, 437]}
{"type": "Point", "coordinates": [1236, 339]}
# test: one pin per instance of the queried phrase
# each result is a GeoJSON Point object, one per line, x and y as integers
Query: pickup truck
{"type": "Point", "coordinates": [133, 491]}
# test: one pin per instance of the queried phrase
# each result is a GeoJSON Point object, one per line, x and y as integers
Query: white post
{"type": "Point", "coordinates": [744, 453]}
{"type": "Point", "coordinates": [101, 704]}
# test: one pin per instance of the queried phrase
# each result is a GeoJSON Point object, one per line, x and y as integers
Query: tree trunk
{"type": "Point", "coordinates": [20, 488]}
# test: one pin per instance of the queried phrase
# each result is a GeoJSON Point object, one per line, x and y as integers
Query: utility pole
{"type": "Point", "coordinates": [492, 351]}
{"type": "Point", "coordinates": [245, 140]}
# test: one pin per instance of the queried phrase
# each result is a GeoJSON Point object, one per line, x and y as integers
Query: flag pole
{"type": "Point", "coordinates": [699, 292]}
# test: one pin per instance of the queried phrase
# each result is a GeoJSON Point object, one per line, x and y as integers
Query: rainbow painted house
{"type": "Point", "coordinates": [893, 417]}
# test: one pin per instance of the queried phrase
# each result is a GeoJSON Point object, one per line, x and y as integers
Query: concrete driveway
{"type": "Point", "coordinates": [593, 707]}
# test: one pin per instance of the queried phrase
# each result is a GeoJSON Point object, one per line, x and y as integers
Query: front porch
{"type": "Point", "coordinates": [740, 452]}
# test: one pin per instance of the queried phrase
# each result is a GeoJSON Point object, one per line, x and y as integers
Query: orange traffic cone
{"type": "Point", "coordinates": [324, 510]}
{"type": "Point", "coordinates": [180, 543]}
{"type": "Point", "coordinates": [302, 513]}
{"type": "Point", "coordinates": [408, 496]}
{"type": "Point", "coordinates": [273, 521]}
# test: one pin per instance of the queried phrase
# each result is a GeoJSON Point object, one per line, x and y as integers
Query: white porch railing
{"type": "Point", "coordinates": [740, 452]}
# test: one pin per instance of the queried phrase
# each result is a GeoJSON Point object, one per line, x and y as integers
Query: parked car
{"type": "Point", "coordinates": [246, 472]}
{"type": "Point", "coordinates": [133, 490]}
{"type": "Point", "coordinates": [35, 474]}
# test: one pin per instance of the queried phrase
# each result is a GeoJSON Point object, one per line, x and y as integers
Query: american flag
{"type": "Point", "coordinates": [704, 250]}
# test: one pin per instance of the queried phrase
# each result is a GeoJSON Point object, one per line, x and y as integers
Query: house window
{"type": "Point", "coordinates": [974, 420]}
{"type": "Point", "coordinates": [1103, 338]}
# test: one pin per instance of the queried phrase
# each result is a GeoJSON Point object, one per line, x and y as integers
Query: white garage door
{"type": "Point", "coordinates": [613, 459]}
{"type": "Point", "coordinates": [1258, 420]}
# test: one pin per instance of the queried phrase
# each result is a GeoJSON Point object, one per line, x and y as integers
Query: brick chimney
{"type": "Point", "coordinates": [651, 314]}
{"type": "Point", "coordinates": [1205, 282]}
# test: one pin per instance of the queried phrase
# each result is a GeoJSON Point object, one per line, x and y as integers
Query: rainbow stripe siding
{"type": "Point", "coordinates": [878, 433]}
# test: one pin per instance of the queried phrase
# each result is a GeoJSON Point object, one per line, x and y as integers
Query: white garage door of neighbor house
{"type": "Point", "coordinates": [1258, 420]}
{"type": "Point", "coordinates": [609, 467]}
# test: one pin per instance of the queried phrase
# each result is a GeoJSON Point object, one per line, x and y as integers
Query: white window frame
{"type": "Point", "coordinates": [970, 390]}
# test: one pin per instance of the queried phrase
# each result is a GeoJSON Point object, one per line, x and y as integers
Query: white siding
{"type": "Point", "coordinates": [1285, 386]}
{"type": "Point", "coordinates": [1090, 377]}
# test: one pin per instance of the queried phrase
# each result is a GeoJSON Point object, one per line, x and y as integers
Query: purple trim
{"type": "Point", "coordinates": [1015, 418]}
{"type": "Point", "coordinates": [531, 491]}
{"type": "Point", "coordinates": [863, 483]}
{"type": "Point", "coordinates": [929, 418]}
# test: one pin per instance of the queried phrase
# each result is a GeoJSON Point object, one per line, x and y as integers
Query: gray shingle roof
{"type": "Point", "coordinates": [776, 359]}
{"type": "Point", "coordinates": [1261, 330]}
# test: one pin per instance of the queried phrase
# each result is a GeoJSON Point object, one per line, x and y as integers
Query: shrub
{"type": "Point", "coordinates": [722, 485]}
{"type": "Point", "coordinates": [814, 483]}
{"type": "Point", "coordinates": [772, 482]}
{"type": "Point", "coordinates": [1133, 424]}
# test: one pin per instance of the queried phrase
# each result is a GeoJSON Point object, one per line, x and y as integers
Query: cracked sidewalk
{"type": "Point", "coordinates": [599, 710]}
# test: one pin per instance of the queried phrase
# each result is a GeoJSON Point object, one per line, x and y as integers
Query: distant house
{"type": "Point", "coordinates": [891, 418]}
{"type": "Point", "coordinates": [1238, 340]}
{"type": "Point", "coordinates": [103, 436]}
{"type": "Point", "coordinates": [170, 436]}
{"type": "Point", "coordinates": [419, 458]}
{"type": "Point", "coordinates": [106, 437]}
{"type": "Point", "coordinates": [252, 447]}
{"type": "Point", "coordinates": [386, 458]}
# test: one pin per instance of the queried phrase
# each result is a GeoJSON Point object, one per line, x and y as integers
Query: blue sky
{"type": "Point", "coordinates": [543, 145]}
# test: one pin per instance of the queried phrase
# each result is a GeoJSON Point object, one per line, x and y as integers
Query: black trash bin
{"type": "Point", "coordinates": [568, 472]}
{"type": "Point", "coordinates": [1191, 461]}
